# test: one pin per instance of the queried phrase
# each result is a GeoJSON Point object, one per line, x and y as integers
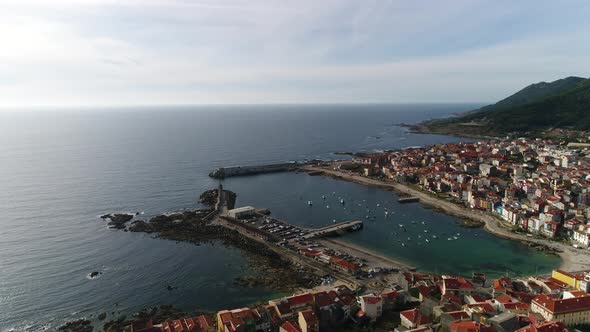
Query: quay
{"type": "Point", "coordinates": [410, 199]}
{"type": "Point", "coordinates": [334, 229]}
{"type": "Point", "coordinates": [225, 172]}
{"type": "Point", "coordinates": [352, 266]}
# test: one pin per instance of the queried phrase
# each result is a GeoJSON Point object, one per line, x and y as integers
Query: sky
{"type": "Point", "coordinates": [155, 52]}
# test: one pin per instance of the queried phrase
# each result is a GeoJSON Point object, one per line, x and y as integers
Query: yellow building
{"type": "Point", "coordinates": [570, 279]}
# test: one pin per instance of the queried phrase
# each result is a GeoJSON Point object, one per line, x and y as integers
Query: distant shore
{"type": "Point", "coordinates": [572, 259]}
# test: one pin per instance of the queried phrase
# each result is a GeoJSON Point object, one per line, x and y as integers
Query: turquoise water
{"type": "Point", "coordinates": [474, 250]}
{"type": "Point", "coordinates": [60, 170]}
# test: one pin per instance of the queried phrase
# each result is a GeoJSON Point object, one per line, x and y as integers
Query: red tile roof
{"type": "Point", "coordinates": [416, 317]}
{"type": "Point", "coordinates": [290, 327]}
{"type": "Point", "coordinates": [300, 299]}
{"type": "Point", "coordinates": [503, 298]}
{"type": "Point", "coordinates": [458, 315]}
{"type": "Point", "coordinates": [457, 283]}
{"type": "Point", "coordinates": [371, 299]}
{"type": "Point", "coordinates": [575, 304]}
{"type": "Point", "coordinates": [550, 326]}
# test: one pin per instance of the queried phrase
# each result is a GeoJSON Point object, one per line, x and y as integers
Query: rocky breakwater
{"type": "Point", "coordinates": [270, 270]}
{"type": "Point", "coordinates": [118, 220]}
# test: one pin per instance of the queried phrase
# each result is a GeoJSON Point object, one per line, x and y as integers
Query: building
{"type": "Point", "coordinates": [456, 285]}
{"type": "Point", "coordinates": [571, 311]}
{"type": "Point", "coordinates": [372, 305]}
{"type": "Point", "coordinates": [308, 321]}
{"type": "Point", "coordinates": [238, 320]}
{"type": "Point", "coordinates": [289, 326]}
{"type": "Point", "coordinates": [413, 318]}
{"type": "Point", "coordinates": [242, 212]}
{"type": "Point", "coordinates": [567, 278]}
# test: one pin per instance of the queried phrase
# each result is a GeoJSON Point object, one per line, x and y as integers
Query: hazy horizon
{"type": "Point", "coordinates": [199, 52]}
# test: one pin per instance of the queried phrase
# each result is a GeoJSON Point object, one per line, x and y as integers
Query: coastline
{"type": "Point", "coordinates": [572, 259]}
{"type": "Point", "coordinates": [366, 253]}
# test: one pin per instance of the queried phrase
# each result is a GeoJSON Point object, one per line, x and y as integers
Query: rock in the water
{"type": "Point", "coordinates": [80, 325]}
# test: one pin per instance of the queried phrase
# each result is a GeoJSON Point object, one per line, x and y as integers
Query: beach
{"type": "Point", "coordinates": [573, 259]}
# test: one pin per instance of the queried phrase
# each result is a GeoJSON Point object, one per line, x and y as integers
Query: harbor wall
{"type": "Point", "coordinates": [224, 172]}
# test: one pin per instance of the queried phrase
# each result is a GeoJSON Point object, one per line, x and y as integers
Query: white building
{"type": "Point", "coordinates": [241, 212]}
{"type": "Point", "coordinates": [582, 235]}
{"type": "Point", "coordinates": [372, 305]}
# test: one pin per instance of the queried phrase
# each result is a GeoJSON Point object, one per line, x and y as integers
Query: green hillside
{"type": "Point", "coordinates": [562, 103]}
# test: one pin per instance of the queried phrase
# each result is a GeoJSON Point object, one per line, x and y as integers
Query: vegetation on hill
{"type": "Point", "coordinates": [564, 103]}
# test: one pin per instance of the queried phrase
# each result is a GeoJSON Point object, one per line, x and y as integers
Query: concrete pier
{"type": "Point", "coordinates": [336, 228]}
{"type": "Point", "coordinates": [225, 172]}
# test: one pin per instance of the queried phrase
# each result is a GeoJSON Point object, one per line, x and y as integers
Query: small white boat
{"type": "Point", "coordinates": [427, 240]}
{"type": "Point", "coordinates": [422, 223]}
{"type": "Point", "coordinates": [378, 205]}
{"type": "Point", "coordinates": [327, 206]}
{"type": "Point", "coordinates": [403, 244]}
{"type": "Point", "coordinates": [456, 238]}
{"type": "Point", "coordinates": [334, 221]}
{"type": "Point", "coordinates": [341, 201]}
{"type": "Point", "coordinates": [434, 236]}
{"type": "Point", "coordinates": [310, 203]}
{"type": "Point", "coordinates": [401, 225]}
{"type": "Point", "coordinates": [323, 196]}
{"type": "Point", "coordinates": [449, 239]}
{"type": "Point", "coordinates": [425, 231]}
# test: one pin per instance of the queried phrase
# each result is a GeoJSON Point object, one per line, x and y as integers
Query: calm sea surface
{"type": "Point", "coordinates": [60, 170]}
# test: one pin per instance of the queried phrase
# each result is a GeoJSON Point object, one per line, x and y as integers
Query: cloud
{"type": "Point", "coordinates": [102, 52]}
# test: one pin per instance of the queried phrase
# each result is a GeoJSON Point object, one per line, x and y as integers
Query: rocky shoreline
{"type": "Point", "coordinates": [270, 270]}
{"type": "Point", "coordinates": [156, 314]}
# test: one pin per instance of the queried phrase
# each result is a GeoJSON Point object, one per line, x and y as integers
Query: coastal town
{"type": "Point", "coordinates": [534, 190]}
{"type": "Point", "coordinates": [535, 186]}
{"type": "Point", "coordinates": [417, 302]}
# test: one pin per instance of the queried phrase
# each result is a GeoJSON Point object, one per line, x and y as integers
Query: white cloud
{"type": "Point", "coordinates": [155, 51]}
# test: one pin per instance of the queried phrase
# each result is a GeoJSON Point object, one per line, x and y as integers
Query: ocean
{"type": "Point", "coordinates": [61, 169]}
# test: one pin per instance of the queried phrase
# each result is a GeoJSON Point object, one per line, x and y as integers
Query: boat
{"type": "Point", "coordinates": [401, 225]}
{"type": "Point", "coordinates": [342, 201]}
{"type": "Point", "coordinates": [327, 206]}
{"type": "Point", "coordinates": [425, 231]}
{"type": "Point", "coordinates": [427, 240]}
{"type": "Point", "coordinates": [310, 203]}
{"type": "Point", "coordinates": [456, 238]}
{"type": "Point", "coordinates": [422, 223]}
{"type": "Point", "coordinates": [334, 221]}
{"type": "Point", "coordinates": [434, 236]}
{"type": "Point", "coordinates": [378, 205]}
{"type": "Point", "coordinates": [323, 196]}
{"type": "Point", "coordinates": [403, 244]}
{"type": "Point", "coordinates": [449, 239]}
